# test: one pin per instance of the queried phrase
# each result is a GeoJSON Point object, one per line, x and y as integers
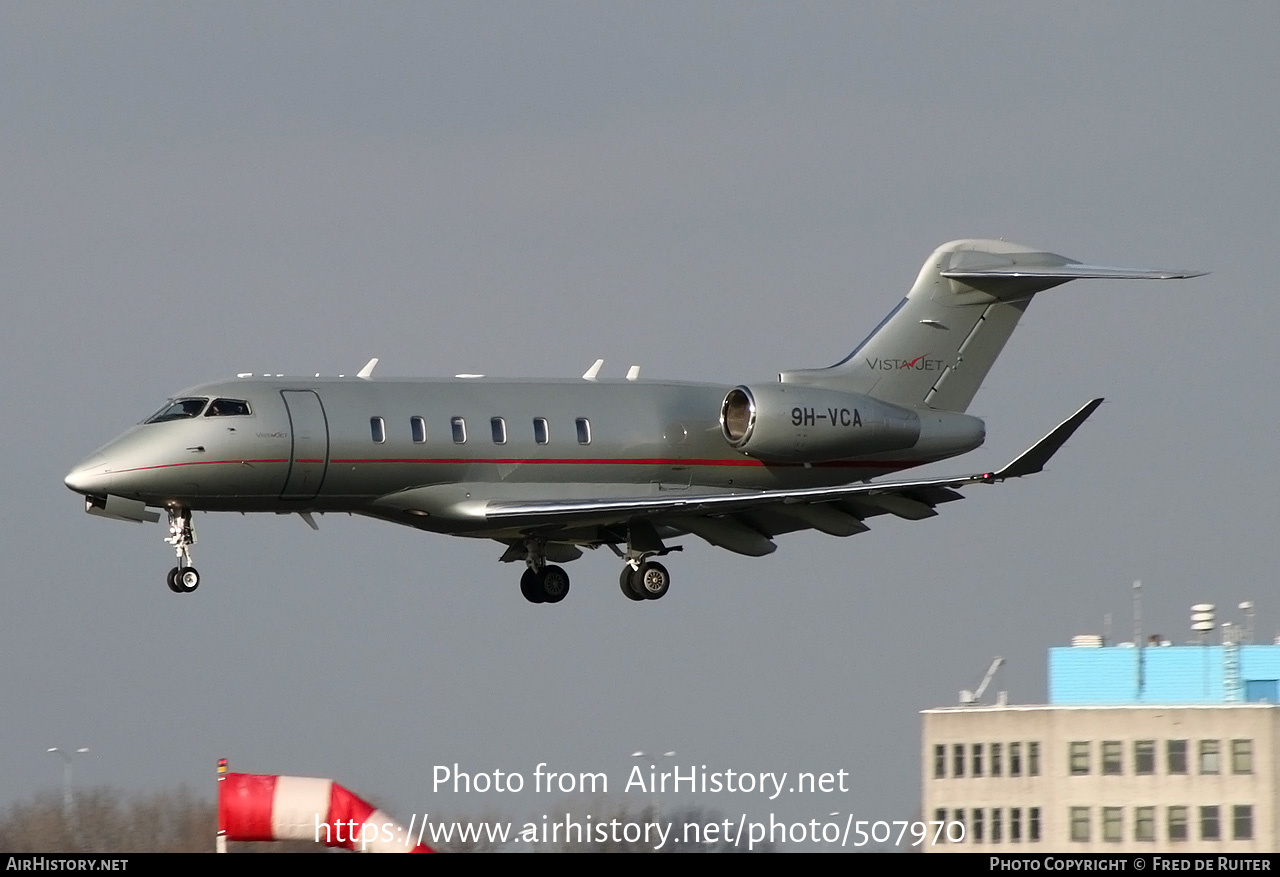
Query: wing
{"type": "Point", "coordinates": [745, 521]}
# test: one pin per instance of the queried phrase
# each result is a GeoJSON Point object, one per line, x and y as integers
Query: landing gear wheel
{"type": "Point", "coordinates": [652, 580]}
{"type": "Point", "coordinates": [555, 584]}
{"type": "Point", "coordinates": [626, 581]}
{"type": "Point", "coordinates": [185, 580]}
{"type": "Point", "coordinates": [173, 581]}
{"type": "Point", "coordinates": [530, 587]}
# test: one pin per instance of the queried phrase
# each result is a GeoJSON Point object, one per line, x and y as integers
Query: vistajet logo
{"type": "Point", "coordinates": [921, 364]}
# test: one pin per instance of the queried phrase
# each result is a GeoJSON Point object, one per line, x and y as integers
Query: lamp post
{"type": "Point", "coordinates": [66, 777]}
{"type": "Point", "coordinates": [653, 791]}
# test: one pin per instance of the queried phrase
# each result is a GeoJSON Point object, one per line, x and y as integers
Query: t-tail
{"type": "Point", "coordinates": [935, 348]}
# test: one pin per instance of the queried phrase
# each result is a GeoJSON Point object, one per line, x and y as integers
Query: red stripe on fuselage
{"type": "Point", "coordinates": [654, 461]}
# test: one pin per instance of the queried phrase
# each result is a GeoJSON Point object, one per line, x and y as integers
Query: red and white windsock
{"type": "Point", "coordinates": [255, 807]}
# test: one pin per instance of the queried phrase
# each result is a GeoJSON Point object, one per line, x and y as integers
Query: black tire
{"type": "Point", "coordinates": [173, 581]}
{"type": "Point", "coordinates": [530, 587]}
{"type": "Point", "coordinates": [652, 580]}
{"type": "Point", "coordinates": [628, 590]}
{"type": "Point", "coordinates": [186, 579]}
{"type": "Point", "coordinates": [554, 583]}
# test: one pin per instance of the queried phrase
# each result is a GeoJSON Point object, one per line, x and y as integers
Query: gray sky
{"type": "Point", "coordinates": [714, 191]}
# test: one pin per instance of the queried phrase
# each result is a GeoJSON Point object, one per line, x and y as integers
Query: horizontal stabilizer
{"type": "Point", "coordinates": [1033, 459]}
{"type": "Point", "coordinates": [1071, 271]}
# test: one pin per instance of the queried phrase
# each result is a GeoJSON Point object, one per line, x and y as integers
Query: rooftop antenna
{"type": "Point", "coordinates": [971, 698]}
{"type": "Point", "coordinates": [1247, 608]}
{"type": "Point", "coordinates": [1202, 622]}
{"type": "Point", "coordinates": [1202, 617]}
{"type": "Point", "coordinates": [1137, 630]}
{"type": "Point", "coordinates": [1231, 684]}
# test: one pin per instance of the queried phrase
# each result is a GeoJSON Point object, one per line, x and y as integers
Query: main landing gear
{"type": "Point", "coordinates": [542, 583]}
{"type": "Point", "coordinates": [183, 578]}
{"type": "Point", "coordinates": [642, 577]}
{"type": "Point", "coordinates": [644, 581]}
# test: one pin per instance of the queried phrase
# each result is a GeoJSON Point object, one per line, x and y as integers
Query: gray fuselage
{"type": "Point", "coordinates": [352, 444]}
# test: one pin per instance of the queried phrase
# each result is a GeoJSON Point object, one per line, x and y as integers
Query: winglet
{"type": "Point", "coordinates": [593, 371]}
{"type": "Point", "coordinates": [1032, 460]}
{"type": "Point", "coordinates": [367, 371]}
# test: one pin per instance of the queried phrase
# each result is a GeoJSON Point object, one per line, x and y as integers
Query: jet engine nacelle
{"type": "Point", "coordinates": [798, 424]}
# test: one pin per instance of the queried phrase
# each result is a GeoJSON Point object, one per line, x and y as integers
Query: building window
{"type": "Point", "coordinates": [1111, 759]}
{"type": "Point", "coordinates": [1144, 757]}
{"type": "Point", "coordinates": [957, 760]}
{"type": "Point", "coordinates": [1209, 827]}
{"type": "Point", "coordinates": [940, 815]}
{"type": "Point", "coordinates": [1177, 823]}
{"type": "Point", "coordinates": [958, 816]}
{"type": "Point", "coordinates": [1015, 759]}
{"type": "Point", "coordinates": [997, 828]}
{"type": "Point", "coordinates": [1015, 825]}
{"type": "Point", "coordinates": [459, 430]}
{"type": "Point", "coordinates": [1033, 824]}
{"type": "Point", "coordinates": [1209, 762]}
{"type": "Point", "coordinates": [996, 766]}
{"type": "Point", "coordinates": [541, 432]}
{"type": "Point", "coordinates": [1176, 751]}
{"type": "Point", "coordinates": [1242, 822]}
{"type": "Point", "coordinates": [1080, 824]}
{"type": "Point", "coordinates": [378, 429]}
{"type": "Point", "coordinates": [419, 428]}
{"type": "Point", "coordinates": [1079, 763]}
{"type": "Point", "coordinates": [1144, 823]}
{"type": "Point", "coordinates": [939, 761]}
{"type": "Point", "coordinates": [977, 825]}
{"type": "Point", "coordinates": [1242, 756]}
{"type": "Point", "coordinates": [1112, 824]}
{"type": "Point", "coordinates": [1033, 759]}
{"type": "Point", "coordinates": [977, 759]}
{"type": "Point", "coordinates": [498, 427]}
{"type": "Point", "coordinates": [584, 431]}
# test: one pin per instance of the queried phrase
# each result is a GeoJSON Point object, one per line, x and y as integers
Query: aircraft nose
{"type": "Point", "coordinates": [82, 478]}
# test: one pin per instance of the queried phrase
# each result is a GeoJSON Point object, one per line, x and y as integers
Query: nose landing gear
{"type": "Point", "coordinates": [183, 578]}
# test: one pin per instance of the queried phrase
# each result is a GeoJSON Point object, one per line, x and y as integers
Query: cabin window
{"type": "Point", "coordinates": [178, 409]}
{"type": "Point", "coordinates": [378, 429]}
{"type": "Point", "coordinates": [584, 431]}
{"type": "Point", "coordinates": [419, 428]}
{"type": "Point", "coordinates": [228, 408]}
{"type": "Point", "coordinates": [498, 427]}
{"type": "Point", "coordinates": [459, 430]}
{"type": "Point", "coordinates": [541, 433]}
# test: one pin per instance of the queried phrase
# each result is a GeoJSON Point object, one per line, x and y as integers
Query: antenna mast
{"type": "Point", "coordinates": [1137, 631]}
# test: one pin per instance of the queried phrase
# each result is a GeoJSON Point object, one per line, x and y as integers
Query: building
{"type": "Point", "coordinates": [1139, 749]}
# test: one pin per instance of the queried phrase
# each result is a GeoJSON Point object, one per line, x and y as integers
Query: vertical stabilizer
{"type": "Point", "coordinates": [935, 348]}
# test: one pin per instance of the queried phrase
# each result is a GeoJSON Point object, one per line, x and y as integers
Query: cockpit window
{"type": "Point", "coordinates": [178, 409]}
{"type": "Point", "coordinates": [227, 408]}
